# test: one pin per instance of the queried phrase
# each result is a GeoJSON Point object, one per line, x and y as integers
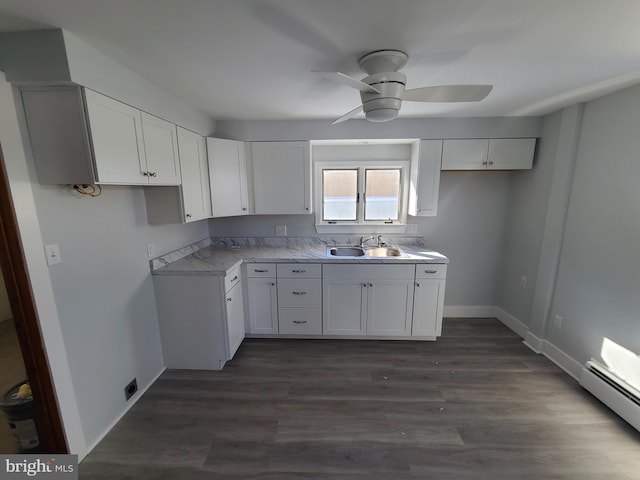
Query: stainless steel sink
{"type": "Point", "coordinates": [346, 252]}
{"type": "Point", "coordinates": [364, 252]}
{"type": "Point", "coordinates": [383, 252]}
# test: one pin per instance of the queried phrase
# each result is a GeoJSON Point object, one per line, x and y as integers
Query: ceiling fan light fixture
{"type": "Point", "coordinates": [381, 114]}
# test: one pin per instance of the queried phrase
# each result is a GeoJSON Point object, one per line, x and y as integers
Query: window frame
{"type": "Point", "coordinates": [360, 224]}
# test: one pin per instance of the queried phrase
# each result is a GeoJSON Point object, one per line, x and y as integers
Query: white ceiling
{"type": "Point", "coordinates": [252, 59]}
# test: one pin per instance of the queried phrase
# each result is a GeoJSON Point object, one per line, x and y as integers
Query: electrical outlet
{"type": "Point", "coordinates": [281, 230]}
{"type": "Point", "coordinates": [52, 252]}
{"type": "Point", "coordinates": [151, 250]}
{"type": "Point", "coordinates": [557, 322]}
{"type": "Point", "coordinates": [523, 281]}
{"type": "Point", "coordinates": [130, 389]}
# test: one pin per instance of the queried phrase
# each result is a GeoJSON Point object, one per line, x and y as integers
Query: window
{"type": "Point", "coordinates": [360, 193]}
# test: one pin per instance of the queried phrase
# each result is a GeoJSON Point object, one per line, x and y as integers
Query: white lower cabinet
{"type": "Point", "coordinates": [262, 298]}
{"type": "Point", "coordinates": [371, 300]}
{"type": "Point", "coordinates": [428, 300]}
{"type": "Point", "coordinates": [300, 299]}
{"type": "Point", "coordinates": [200, 328]}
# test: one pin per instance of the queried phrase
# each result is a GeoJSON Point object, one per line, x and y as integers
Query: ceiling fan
{"type": "Point", "coordinates": [383, 90]}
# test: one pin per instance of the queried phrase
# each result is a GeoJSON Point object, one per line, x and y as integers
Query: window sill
{"type": "Point", "coordinates": [362, 228]}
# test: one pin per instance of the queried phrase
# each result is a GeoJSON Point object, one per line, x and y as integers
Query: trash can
{"type": "Point", "coordinates": [17, 406]}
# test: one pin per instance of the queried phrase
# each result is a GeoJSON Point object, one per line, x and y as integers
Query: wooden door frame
{"type": "Point", "coordinates": [25, 317]}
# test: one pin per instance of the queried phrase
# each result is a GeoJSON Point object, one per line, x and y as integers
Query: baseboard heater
{"type": "Point", "coordinates": [614, 392]}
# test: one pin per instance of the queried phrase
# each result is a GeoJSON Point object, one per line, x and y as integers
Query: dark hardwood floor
{"type": "Point", "coordinates": [476, 404]}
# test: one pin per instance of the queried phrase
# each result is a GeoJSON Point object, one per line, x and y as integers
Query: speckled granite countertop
{"type": "Point", "coordinates": [218, 255]}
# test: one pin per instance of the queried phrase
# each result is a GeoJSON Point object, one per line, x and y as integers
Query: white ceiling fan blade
{"type": "Point", "coordinates": [348, 115]}
{"type": "Point", "coordinates": [448, 93]}
{"type": "Point", "coordinates": [347, 80]}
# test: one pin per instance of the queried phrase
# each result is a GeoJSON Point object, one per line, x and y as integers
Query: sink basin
{"type": "Point", "coordinates": [346, 252]}
{"type": "Point", "coordinates": [383, 252]}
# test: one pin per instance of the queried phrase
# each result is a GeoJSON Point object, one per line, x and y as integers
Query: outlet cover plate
{"type": "Point", "coordinates": [52, 252]}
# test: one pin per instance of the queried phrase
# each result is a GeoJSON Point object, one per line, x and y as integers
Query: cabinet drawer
{"type": "Point", "coordinates": [303, 321]}
{"type": "Point", "coordinates": [261, 270]}
{"type": "Point", "coordinates": [431, 270]}
{"type": "Point", "coordinates": [299, 270]}
{"type": "Point", "coordinates": [368, 271]}
{"type": "Point", "coordinates": [304, 292]}
{"type": "Point", "coordinates": [231, 279]}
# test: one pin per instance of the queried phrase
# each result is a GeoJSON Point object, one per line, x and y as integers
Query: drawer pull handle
{"type": "Point", "coordinates": [260, 271]}
{"type": "Point", "coordinates": [300, 322]}
{"type": "Point", "coordinates": [299, 271]}
{"type": "Point", "coordinates": [299, 293]}
{"type": "Point", "coordinates": [234, 278]}
{"type": "Point", "coordinates": [430, 271]}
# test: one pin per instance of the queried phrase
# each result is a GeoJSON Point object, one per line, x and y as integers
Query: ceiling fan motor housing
{"type": "Point", "coordinates": [383, 106]}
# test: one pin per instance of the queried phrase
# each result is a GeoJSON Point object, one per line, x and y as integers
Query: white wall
{"type": "Point", "coordinates": [527, 202]}
{"type": "Point", "coordinates": [98, 304]}
{"type": "Point", "coordinates": [599, 270]}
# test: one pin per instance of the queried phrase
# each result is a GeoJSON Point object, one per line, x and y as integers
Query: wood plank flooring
{"type": "Point", "coordinates": [476, 404]}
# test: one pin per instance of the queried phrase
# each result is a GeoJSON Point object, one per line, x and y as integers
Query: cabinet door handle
{"type": "Point", "coordinates": [430, 271]}
{"type": "Point", "coordinates": [188, 215]}
{"type": "Point", "coordinates": [260, 271]}
{"type": "Point", "coordinates": [146, 174]}
{"type": "Point", "coordinates": [364, 285]}
{"type": "Point", "coordinates": [234, 278]}
{"type": "Point", "coordinates": [417, 284]}
{"type": "Point", "coordinates": [300, 322]}
{"type": "Point", "coordinates": [229, 299]}
{"type": "Point", "coordinates": [299, 293]}
{"type": "Point", "coordinates": [153, 174]}
{"type": "Point", "coordinates": [298, 271]}
{"type": "Point", "coordinates": [491, 162]}
{"type": "Point", "coordinates": [371, 284]}
{"type": "Point", "coordinates": [273, 284]}
{"type": "Point", "coordinates": [484, 163]}
{"type": "Point", "coordinates": [244, 209]}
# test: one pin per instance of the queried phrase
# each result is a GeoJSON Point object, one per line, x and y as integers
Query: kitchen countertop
{"type": "Point", "coordinates": [218, 256]}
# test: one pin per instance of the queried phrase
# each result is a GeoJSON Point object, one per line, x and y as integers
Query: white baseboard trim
{"type": "Point", "coordinates": [132, 401]}
{"type": "Point", "coordinates": [469, 311]}
{"type": "Point", "coordinates": [533, 342]}
{"type": "Point", "coordinates": [512, 322]}
{"type": "Point", "coordinates": [561, 359]}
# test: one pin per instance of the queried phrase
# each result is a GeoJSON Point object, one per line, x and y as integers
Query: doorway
{"type": "Point", "coordinates": [26, 328]}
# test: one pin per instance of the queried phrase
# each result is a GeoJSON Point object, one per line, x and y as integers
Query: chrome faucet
{"type": "Point", "coordinates": [365, 240]}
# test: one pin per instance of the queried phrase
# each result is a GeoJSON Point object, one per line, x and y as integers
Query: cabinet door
{"type": "Point", "coordinates": [344, 306]}
{"type": "Point", "coordinates": [281, 177]}
{"type": "Point", "coordinates": [117, 140]}
{"type": "Point", "coordinates": [428, 303]}
{"type": "Point", "coordinates": [196, 195]}
{"type": "Point", "coordinates": [235, 318]}
{"type": "Point", "coordinates": [425, 179]}
{"type": "Point", "coordinates": [511, 153]}
{"type": "Point", "coordinates": [390, 307]}
{"type": "Point", "coordinates": [228, 177]}
{"type": "Point", "coordinates": [161, 149]}
{"type": "Point", "coordinates": [263, 305]}
{"type": "Point", "coordinates": [468, 154]}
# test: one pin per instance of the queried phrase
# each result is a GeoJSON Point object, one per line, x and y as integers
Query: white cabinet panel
{"type": "Point", "coordinates": [428, 304]}
{"type": "Point", "coordinates": [425, 179]}
{"type": "Point", "coordinates": [344, 306]}
{"type": "Point", "coordinates": [161, 150]}
{"type": "Point", "coordinates": [511, 153]}
{"type": "Point", "coordinates": [235, 318]}
{"type": "Point", "coordinates": [262, 300]}
{"type": "Point", "coordinates": [303, 292]}
{"type": "Point", "coordinates": [281, 173]}
{"type": "Point", "coordinates": [467, 154]}
{"type": "Point", "coordinates": [228, 177]}
{"type": "Point", "coordinates": [117, 140]}
{"type": "Point", "coordinates": [300, 321]}
{"type": "Point", "coordinates": [390, 307]}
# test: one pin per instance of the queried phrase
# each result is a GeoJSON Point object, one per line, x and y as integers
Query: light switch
{"type": "Point", "coordinates": [52, 252]}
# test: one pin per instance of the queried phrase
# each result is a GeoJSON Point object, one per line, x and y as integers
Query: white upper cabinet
{"type": "Point", "coordinates": [488, 154]}
{"type": "Point", "coordinates": [228, 177]}
{"type": "Point", "coordinates": [161, 149]}
{"type": "Point", "coordinates": [281, 173]}
{"type": "Point", "coordinates": [425, 179]}
{"type": "Point", "coordinates": [192, 200]}
{"type": "Point", "coordinates": [117, 140]}
{"type": "Point", "coordinates": [80, 136]}
{"type": "Point", "coordinates": [194, 166]}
